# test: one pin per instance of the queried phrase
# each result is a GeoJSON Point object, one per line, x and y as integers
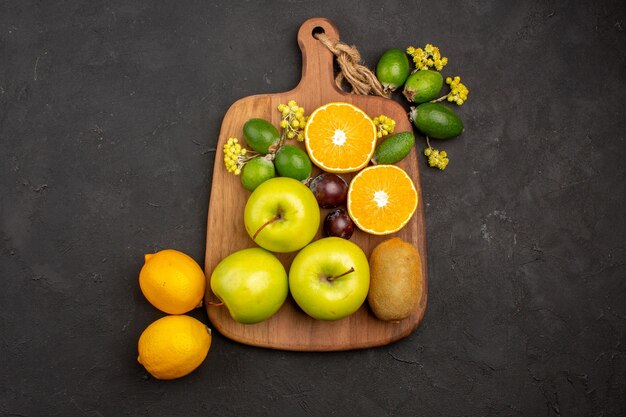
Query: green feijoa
{"type": "Point", "coordinates": [256, 171]}
{"type": "Point", "coordinates": [260, 135]}
{"type": "Point", "coordinates": [393, 149]}
{"type": "Point", "coordinates": [436, 121]}
{"type": "Point", "coordinates": [423, 86]}
{"type": "Point", "coordinates": [392, 69]}
{"type": "Point", "coordinates": [293, 162]}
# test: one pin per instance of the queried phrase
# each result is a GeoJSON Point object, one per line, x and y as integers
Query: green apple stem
{"type": "Point", "coordinates": [267, 223]}
{"type": "Point", "coordinates": [341, 275]}
{"type": "Point", "coordinates": [214, 304]}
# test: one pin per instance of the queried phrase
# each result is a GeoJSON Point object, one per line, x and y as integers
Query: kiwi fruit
{"type": "Point", "coordinates": [396, 283]}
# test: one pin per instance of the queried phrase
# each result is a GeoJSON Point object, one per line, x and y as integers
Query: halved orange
{"type": "Point", "coordinates": [340, 137]}
{"type": "Point", "coordinates": [381, 199]}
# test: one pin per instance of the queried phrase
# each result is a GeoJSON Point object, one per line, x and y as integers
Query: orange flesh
{"type": "Point", "coordinates": [340, 138]}
{"type": "Point", "coordinates": [382, 199]}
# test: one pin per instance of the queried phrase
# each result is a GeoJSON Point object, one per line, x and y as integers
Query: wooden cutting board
{"type": "Point", "coordinates": [290, 328]}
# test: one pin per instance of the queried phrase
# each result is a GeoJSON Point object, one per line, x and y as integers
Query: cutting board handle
{"type": "Point", "coordinates": [317, 60]}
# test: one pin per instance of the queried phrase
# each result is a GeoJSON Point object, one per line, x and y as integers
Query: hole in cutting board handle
{"type": "Point", "coordinates": [316, 30]}
{"type": "Point", "coordinates": [317, 59]}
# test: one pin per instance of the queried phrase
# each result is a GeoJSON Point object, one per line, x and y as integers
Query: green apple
{"type": "Point", "coordinates": [252, 283]}
{"type": "Point", "coordinates": [282, 215]}
{"type": "Point", "coordinates": [330, 278]}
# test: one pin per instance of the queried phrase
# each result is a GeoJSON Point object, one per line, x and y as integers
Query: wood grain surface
{"type": "Point", "coordinates": [290, 328]}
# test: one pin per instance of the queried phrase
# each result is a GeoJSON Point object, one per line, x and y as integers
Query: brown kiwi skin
{"type": "Point", "coordinates": [395, 280]}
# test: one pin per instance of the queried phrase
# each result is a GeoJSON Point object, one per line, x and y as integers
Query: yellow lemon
{"type": "Point", "coordinates": [172, 281]}
{"type": "Point", "coordinates": [173, 346]}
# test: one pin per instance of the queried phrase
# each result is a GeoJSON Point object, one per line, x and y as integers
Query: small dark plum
{"type": "Point", "coordinates": [338, 224]}
{"type": "Point", "coordinates": [330, 190]}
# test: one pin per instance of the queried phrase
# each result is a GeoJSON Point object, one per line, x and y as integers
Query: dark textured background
{"type": "Point", "coordinates": [109, 114]}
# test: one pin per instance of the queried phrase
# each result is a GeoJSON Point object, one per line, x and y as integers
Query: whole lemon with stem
{"type": "Point", "coordinates": [172, 281]}
{"type": "Point", "coordinates": [173, 346]}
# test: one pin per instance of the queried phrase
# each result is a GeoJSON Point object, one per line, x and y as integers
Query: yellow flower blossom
{"type": "Point", "coordinates": [384, 125]}
{"type": "Point", "coordinates": [293, 120]}
{"type": "Point", "coordinates": [436, 158]}
{"type": "Point", "coordinates": [458, 90]}
{"type": "Point", "coordinates": [427, 58]}
{"type": "Point", "coordinates": [235, 156]}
